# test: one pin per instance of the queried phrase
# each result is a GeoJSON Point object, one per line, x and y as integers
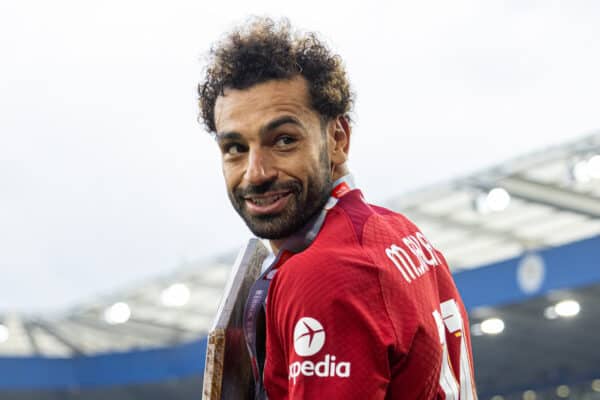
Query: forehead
{"type": "Point", "coordinates": [243, 109]}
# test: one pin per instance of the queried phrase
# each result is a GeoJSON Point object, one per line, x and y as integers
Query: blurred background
{"type": "Point", "coordinates": [478, 120]}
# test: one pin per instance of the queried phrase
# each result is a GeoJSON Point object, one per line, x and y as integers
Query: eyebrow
{"type": "Point", "coordinates": [221, 137]}
{"type": "Point", "coordinates": [276, 123]}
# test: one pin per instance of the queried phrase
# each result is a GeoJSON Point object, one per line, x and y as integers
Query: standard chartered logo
{"type": "Point", "coordinates": [309, 337]}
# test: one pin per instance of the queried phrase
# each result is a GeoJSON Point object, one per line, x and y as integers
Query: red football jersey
{"type": "Point", "coordinates": [368, 311]}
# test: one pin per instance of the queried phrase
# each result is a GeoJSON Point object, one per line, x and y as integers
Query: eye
{"type": "Point", "coordinates": [285, 140]}
{"type": "Point", "coordinates": [232, 149]}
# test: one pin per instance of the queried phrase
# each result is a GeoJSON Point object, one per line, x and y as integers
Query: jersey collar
{"type": "Point", "coordinates": [305, 236]}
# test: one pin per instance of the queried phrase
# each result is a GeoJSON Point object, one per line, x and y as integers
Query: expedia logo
{"type": "Point", "coordinates": [309, 339]}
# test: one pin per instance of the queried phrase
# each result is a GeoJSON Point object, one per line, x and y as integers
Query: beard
{"type": "Point", "coordinates": [299, 209]}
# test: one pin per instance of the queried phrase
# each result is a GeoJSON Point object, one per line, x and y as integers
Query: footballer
{"type": "Point", "coordinates": [355, 302]}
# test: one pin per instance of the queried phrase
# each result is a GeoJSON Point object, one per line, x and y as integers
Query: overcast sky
{"type": "Point", "coordinates": [106, 178]}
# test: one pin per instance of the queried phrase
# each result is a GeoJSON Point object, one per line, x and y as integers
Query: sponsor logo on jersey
{"type": "Point", "coordinates": [309, 339]}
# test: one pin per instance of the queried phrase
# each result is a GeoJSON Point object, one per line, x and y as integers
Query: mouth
{"type": "Point", "coordinates": [268, 203]}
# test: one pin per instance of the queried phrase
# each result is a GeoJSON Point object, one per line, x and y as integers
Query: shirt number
{"type": "Point", "coordinates": [450, 321]}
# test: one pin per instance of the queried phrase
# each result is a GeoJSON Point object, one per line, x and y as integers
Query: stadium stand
{"type": "Point", "coordinates": [522, 238]}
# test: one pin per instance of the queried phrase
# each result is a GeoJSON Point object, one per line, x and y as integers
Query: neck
{"type": "Point", "coordinates": [276, 245]}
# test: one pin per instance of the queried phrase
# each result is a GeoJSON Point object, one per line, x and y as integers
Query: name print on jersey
{"type": "Point", "coordinates": [413, 256]}
{"type": "Point", "coordinates": [309, 339]}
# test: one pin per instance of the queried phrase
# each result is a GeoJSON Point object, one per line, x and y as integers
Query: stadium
{"type": "Point", "coordinates": [529, 278]}
{"type": "Point", "coordinates": [478, 121]}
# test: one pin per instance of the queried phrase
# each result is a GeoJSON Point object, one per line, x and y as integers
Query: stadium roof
{"type": "Point", "coordinates": [540, 200]}
{"type": "Point", "coordinates": [554, 199]}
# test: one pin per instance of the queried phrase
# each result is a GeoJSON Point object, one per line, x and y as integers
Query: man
{"type": "Point", "coordinates": [357, 303]}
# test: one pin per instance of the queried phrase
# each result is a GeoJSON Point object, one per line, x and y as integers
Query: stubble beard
{"type": "Point", "coordinates": [298, 210]}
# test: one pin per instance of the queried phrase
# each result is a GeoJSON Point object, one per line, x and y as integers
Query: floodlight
{"type": "Point", "coordinates": [567, 308]}
{"type": "Point", "coordinates": [118, 313]}
{"type": "Point", "coordinates": [596, 385]}
{"type": "Point", "coordinates": [581, 171]}
{"type": "Point", "coordinates": [3, 333]}
{"type": "Point", "coordinates": [594, 166]}
{"type": "Point", "coordinates": [563, 391]}
{"type": "Point", "coordinates": [498, 199]}
{"type": "Point", "coordinates": [529, 395]}
{"type": "Point", "coordinates": [176, 295]}
{"type": "Point", "coordinates": [492, 326]}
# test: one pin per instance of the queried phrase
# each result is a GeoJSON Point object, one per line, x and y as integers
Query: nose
{"type": "Point", "coordinates": [260, 168]}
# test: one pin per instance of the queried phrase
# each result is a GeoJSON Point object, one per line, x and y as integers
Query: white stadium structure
{"type": "Point", "coordinates": [521, 210]}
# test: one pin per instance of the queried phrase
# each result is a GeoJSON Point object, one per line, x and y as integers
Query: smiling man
{"type": "Point", "coordinates": [278, 188]}
{"type": "Point", "coordinates": [356, 302]}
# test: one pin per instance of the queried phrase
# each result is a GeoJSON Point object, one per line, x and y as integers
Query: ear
{"type": "Point", "coordinates": [338, 137]}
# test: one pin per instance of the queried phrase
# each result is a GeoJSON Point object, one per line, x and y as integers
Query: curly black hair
{"type": "Point", "coordinates": [264, 50]}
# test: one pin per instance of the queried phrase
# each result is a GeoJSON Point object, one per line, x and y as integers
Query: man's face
{"type": "Point", "coordinates": [274, 152]}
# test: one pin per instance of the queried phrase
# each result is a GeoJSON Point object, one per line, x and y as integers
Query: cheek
{"type": "Point", "coordinates": [302, 167]}
{"type": "Point", "coordinates": [230, 176]}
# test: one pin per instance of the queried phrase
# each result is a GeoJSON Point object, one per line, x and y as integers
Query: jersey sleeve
{"type": "Point", "coordinates": [328, 332]}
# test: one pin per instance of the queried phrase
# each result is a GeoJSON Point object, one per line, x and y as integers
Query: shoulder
{"type": "Point", "coordinates": [346, 274]}
{"type": "Point", "coordinates": [349, 248]}
{"type": "Point", "coordinates": [334, 267]}
{"type": "Point", "coordinates": [366, 219]}
{"type": "Point", "coordinates": [334, 271]}
{"type": "Point", "coordinates": [338, 287]}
